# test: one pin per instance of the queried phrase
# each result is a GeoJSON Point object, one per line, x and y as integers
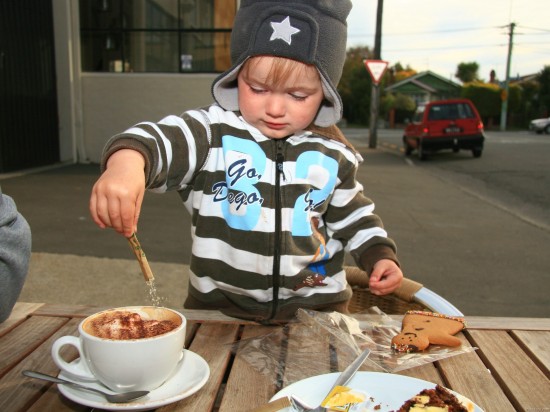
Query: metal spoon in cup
{"type": "Point", "coordinates": [112, 398]}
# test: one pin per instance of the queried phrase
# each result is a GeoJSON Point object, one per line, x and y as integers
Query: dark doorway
{"type": "Point", "coordinates": [29, 134]}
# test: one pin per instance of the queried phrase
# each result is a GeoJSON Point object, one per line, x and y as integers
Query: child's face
{"type": "Point", "coordinates": [279, 107]}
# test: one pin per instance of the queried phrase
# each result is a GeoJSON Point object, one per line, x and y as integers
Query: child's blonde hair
{"type": "Point", "coordinates": [281, 69]}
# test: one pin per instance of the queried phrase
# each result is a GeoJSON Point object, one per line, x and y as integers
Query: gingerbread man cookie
{"type": "Point", "coordinates": [420, 329]}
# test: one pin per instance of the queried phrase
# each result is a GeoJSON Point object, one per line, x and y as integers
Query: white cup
{"type": "Point", "coordinates": [125, 364]}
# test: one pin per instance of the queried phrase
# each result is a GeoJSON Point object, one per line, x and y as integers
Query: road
{"type": "Point", "coordinates": [513, 172]}
{"type": "Point", "coordinates": [488, 220]}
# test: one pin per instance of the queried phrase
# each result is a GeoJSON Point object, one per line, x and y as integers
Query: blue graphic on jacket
{"type": "Point", "coordinates": [321, 254]}
{"type": "Point", "coordinates": [313, 167]}
{"type": "Point", "coordinates": [317, 266]}
{"type": "Point", "coordinates": [241, 202]}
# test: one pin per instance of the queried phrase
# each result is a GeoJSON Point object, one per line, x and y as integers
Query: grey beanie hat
{"type": "Point", "coordinates": [309, 31]}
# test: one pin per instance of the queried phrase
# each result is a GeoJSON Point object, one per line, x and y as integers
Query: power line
{"type": "Point", "coordinates": [465, 29]}
{"type": "Point", "coordinates": [477, 46]}
{"type": "Point", "coordinates": [534, 28]}
{"type": "Point", "coordinates": [425, 32]}
{"type": "Point", "coordinates": [414, 49]}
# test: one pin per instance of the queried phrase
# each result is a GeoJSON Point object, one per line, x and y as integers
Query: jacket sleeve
{"type": "Point", "coordinates": [174, 149]}
{"type": "Point", "coordinates": [352, 219]}
{"type": "Point", "coordinates": [15, 252]}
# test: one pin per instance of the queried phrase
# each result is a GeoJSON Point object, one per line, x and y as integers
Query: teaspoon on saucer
{"type": "Point", "coordinates": [112, 398]}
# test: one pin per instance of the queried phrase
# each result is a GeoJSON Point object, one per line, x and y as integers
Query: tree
{"type": "Point", "coordinates": [520, 102]}
{"type": "Point", "coordinates": [355, 86]}
{"type": "Point", "coordinates": [403, 106]}
{"type": "Point", "coordinates": [400, 72]}
{"type": "Point", "coordinates": [467, 72]}
{"type": "Point", "coordinates": [486, 98]}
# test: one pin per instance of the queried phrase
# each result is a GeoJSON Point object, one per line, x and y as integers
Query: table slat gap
{"type": "Point", "coordinates": [511, 323]}
{"type": "Point", "coordinates": [15, 389]}
{"type": "Point", "coordinates": [498, 378]}
{"type": "Point", "coordinates": [69, 311]}
{"type": "Point", "coordinates": [248, 386]}
{"type": "Point", "coordinates": [308, 353]}
{"type": "Point", "coordinates": [512, 367]}
{"type": "Point", "coordinates": [468, 375]}
{"type": "Point", "coordinates": [212, 343]}
{"type": "Point", "coordinates": [427, 372]}
{"type": "Point", "coordinates": [52, 401]}
{"type": "Point", "coordinates": [190, 332]}
{"type": "Point", "coordinates": [25, 339]}
{"type": "Point", "coordinates": [19, 314]}
{"type": "Point", "coordinates": [200, 315]}
{"type": "Point", "coordinates": [536, 345]}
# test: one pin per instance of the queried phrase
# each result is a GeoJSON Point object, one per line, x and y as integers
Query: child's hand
{"type": "Point", "coordinates": [385, 277]}
{"type": "Point", "coordinates": [118, 193]}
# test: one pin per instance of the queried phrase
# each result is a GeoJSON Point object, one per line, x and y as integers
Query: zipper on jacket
{"type": "Point", "coordinates": [279, 159]}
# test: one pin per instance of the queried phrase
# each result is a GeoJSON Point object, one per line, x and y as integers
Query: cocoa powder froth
{"type": "Point", "coordinates": [123, 325]}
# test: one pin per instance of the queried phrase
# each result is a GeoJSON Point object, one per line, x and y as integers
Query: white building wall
{"type": "Point", "coordinates": [65, 78]}
{"type": "Point", "coordinates": [113, 102]}
{"type": "Point", "coordinates": [94, 106]}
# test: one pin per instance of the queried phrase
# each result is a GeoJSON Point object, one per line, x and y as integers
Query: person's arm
{"type": "Point", "coordinates": [15, 252]}
{"type": "Point", "coordinates": [368, 242]}
{"type": "Point", "coordinates": [158, 156]}
{"type": "Point", "coordinates": [380, 261]}
{"type": "Point", "coordinates": [118, 193]}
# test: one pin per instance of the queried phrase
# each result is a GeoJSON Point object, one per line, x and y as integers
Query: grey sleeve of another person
{"type": "Point", "coordinates": [15, 252]}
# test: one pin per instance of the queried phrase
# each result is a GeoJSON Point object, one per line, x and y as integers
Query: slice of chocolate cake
{"type": "Point", "coordinates": [437, 399]}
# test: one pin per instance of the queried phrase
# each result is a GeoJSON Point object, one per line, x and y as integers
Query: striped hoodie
{"type": "Point", "coordinates": [271, 218]}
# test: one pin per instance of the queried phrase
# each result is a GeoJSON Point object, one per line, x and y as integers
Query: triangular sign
{"type": "Point", "coordinates": [376, 68]}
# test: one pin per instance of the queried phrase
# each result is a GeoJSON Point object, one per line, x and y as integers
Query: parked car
{"type": "Point", "coordinates": [444, 124]}
{"type": "Point", "coordinates": [540, 125]}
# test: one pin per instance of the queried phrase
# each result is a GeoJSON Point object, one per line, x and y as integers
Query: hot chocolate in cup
{"type": "Point", "coordinates": [127, 348]}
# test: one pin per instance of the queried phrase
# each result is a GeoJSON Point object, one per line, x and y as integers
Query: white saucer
{"type": "Point", "coordinates": [191, 375]}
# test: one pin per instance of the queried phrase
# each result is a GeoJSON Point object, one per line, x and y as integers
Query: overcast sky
{"type": "Point", "coordinates": [437, 35]}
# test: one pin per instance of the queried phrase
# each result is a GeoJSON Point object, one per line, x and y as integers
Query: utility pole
{"type": "Point", "coordinates": [504, 96]}
{"type": "Point", "coordinates": [375, 90]}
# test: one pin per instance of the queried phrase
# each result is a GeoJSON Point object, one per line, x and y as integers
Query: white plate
{"type": "Point", "coordinates": [191, 375]}
{"type": "Point", "coordinates": [387, 390]}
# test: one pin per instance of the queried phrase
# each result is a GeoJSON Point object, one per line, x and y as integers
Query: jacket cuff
{"type": "Point", "coordinates": [127, 144]}
{"type": "Point", "coordinates": [375, 253]}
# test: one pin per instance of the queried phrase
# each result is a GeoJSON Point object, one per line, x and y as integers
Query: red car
{"type": "Point", "coordinates": [445, 124]}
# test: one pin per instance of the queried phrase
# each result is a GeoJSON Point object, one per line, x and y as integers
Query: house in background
{"type": "Point", "coordinates": [426, 87]}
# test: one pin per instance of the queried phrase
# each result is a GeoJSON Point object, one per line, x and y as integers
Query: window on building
{"type": "Point", "coordinates": [166, 36]}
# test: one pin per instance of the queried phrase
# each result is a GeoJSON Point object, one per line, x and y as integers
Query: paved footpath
{"type": "Point", "coordinates": [483, 259]}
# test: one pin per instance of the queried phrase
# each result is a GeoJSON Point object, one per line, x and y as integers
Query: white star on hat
{"type": "Point", "coordinates": [283, 31]}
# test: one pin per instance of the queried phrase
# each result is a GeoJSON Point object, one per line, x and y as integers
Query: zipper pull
{"type": "Point", "coordinates": [280, 161]}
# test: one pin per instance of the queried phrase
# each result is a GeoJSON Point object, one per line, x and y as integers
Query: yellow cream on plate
{"type": "Point", "coordinates": [342, 398]}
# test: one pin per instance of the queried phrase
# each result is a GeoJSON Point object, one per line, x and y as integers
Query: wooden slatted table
{"type": "Point", "coordinates": [510, 371]}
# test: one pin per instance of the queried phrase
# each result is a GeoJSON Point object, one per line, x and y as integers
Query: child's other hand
{"type": "Point", "coordinates": [118, 193]}
{"type": "Point", "coordinates": [385, 277]}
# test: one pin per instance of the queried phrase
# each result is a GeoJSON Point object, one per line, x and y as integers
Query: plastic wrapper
{"type": "Point", "coordinates": [299, 350]}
